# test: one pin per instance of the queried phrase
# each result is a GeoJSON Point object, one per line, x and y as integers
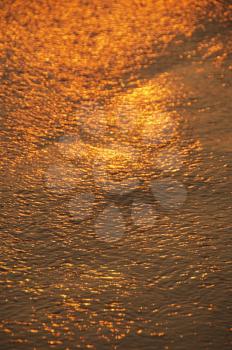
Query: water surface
{"type": "Point", "coordinates": [115, 174]}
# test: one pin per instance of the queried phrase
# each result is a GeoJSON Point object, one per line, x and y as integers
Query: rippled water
{"type": "Point", "coordinates": [115, 174]}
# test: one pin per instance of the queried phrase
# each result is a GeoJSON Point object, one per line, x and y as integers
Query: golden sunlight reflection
{"type": "Point", "coordinates": [115, 138]}
{"type": "Point", "coordinates": [138, 126]}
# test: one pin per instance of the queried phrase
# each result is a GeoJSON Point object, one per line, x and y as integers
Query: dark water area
{"type": "Point", "coordinates": [115, 174]}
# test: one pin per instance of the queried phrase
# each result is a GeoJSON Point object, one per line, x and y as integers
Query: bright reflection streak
{"type": "Point", "coordinates": [95, 97]}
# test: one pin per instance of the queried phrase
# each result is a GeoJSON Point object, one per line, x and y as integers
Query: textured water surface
{"type": "Point", "coordinates": [115, 174]}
